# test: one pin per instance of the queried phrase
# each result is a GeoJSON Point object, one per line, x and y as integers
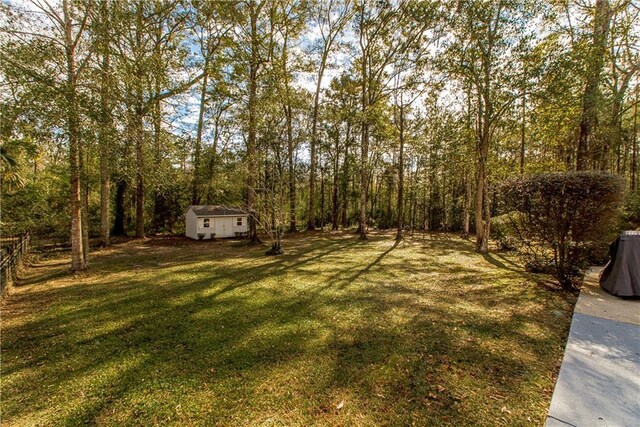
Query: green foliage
{"type": "Point", "coordinates": [504, 231]}
{"type": "Point", "coordinates": [131, 54]}
{"type": "Point", "coordinates": [631, 213]}
{"type": "Point", "coordinates": [558, 218]}
{"type": "Point", "coordinates": [40, 205]}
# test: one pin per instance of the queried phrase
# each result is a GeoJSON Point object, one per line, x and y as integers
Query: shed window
{"type": "Point", "coordinates": [239, 221]}
{"type": "Point", "coordinates": [205, 223]}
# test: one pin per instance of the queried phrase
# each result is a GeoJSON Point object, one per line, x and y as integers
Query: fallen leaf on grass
{"type": "Point", "coordinates": [340, 405]}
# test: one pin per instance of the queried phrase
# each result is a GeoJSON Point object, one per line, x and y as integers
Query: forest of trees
{"type": "Point", "coordinates": [311, 114]}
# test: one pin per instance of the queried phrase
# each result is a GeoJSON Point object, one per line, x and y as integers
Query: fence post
{"type": "Point", "coordinates": [25, 243]}
{"type": "Point", "coordinates": [11, 260]}
{"type": "Point", "coordinates": [3, 274]}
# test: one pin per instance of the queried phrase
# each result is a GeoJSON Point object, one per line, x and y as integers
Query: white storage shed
{"type": "Point", "coordinates": [214, 221]}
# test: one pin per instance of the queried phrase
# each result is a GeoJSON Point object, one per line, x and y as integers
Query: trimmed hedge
{"type": "Point", "coordinates": [558, 218]}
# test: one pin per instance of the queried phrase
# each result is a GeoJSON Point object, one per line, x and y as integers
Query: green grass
{"type": "Point", "coordinates": [334, 332]}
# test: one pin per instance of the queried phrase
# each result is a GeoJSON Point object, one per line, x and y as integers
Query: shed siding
{"type": "Point", "coordinates": [240, 228]}
{"type": "Point", "coordinates": [207, 231]}
{"type": "Point", "coordinates": [191, 224]}
{"type": "Point", "coordinates": [222, 226]}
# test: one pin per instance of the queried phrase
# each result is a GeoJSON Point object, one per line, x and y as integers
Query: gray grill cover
{"type": "Point", "coordinates": [621, 276]}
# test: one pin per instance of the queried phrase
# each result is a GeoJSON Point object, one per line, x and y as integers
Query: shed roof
{"type": "Point", "coordinates": [216, 210]}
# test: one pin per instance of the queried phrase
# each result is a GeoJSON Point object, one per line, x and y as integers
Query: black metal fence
{"type": "Point", "coordinates": [11, 254]}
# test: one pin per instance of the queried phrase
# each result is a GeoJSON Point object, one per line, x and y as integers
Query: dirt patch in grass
{"type": "Point", "coordinates": [334, 332]}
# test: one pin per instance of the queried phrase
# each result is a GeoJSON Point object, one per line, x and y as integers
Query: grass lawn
{"type": "Point", "coordinates": [333, 332]}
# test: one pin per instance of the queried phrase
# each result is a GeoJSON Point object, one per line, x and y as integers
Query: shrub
{"type": "Point", "coordinates": [504, 231]}
{"type": "Point", "coordinates": [559, 219]}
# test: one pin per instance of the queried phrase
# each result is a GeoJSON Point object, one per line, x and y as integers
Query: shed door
{"type": "Point", "coordinates": [221, 227]}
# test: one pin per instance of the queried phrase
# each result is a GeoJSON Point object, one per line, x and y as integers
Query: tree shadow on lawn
{"type": "Point", "coordinates": [543, 281]}
{"type": "Point", "coordinates": [243, 350]}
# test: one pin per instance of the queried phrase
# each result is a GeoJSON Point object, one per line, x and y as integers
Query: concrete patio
{"type": "Point", "coordinates": [599, 380]}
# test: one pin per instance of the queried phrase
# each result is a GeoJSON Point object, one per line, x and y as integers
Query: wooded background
{"type": "Point", "coordinates": [310, 114]}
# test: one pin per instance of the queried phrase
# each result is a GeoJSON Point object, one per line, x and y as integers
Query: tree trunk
{"type": "Point", "coordinates": [138, 127]}
{"type": "Point", "coordinates": [364, 160]}
{"type": "Point", "coordinates": [139, 143]}
{"type": "Point", "coordinates": [374, 190]}
{"type": "Point", "coordinates": [400, 213]}
{"type": "Point", "coordinates": [414, 198]}
{"type": "Point", "coordinates": [160, 213]}
{"type": "Point", "coordinates": [195, 184]}
{"type": "Point", "coordinates": [466, 219]}
{"type": "Point", "coordinates": [634, 147]}
{"type": "Point", "coordinates": [466, 211]}
{"type": "Point", "coordinates": [334, 196]}
{"type": "Point", "coordinates": [106, 126]}
{"type": "Point", "coordinates": [588, 121]}
{"type": "Point", "coordinates": [485, 117]}
{"type": "Point", "coordinates": [311, 221]}
{"type": "Point", "coordinates": [619, 93]}
{"type": "Point", "coordinates": [83, 156]}
{"type": "Point", "coordinates": [345, 192]}
{"type": "Point", "coordinates": [522, 135]}
{"type": "Point", "coordinates": [482, 203]}
{"type": "Point", "coordinates": [345, 178]}
{"type": "Point", "coordinates": [252, 171]}
{"type": "Point", "coordinates": [443, 220]}
{"type": "Point", "coordinates": [292, 172]}
{"type": "Point", "coordinates": [105, 194]}
{"type": "Point", "coordinates": [322, 197]}
{"type": "Point", "coordinates": [480, 193]}
{"type": "Point", "coordinates": [425, 219]}
{"type": "Point", "coordinates": [211, 167]}
{"type": "Point", "coordinates": [615, 129]}
{"type": "Point", "coordinates": [77, 251]}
